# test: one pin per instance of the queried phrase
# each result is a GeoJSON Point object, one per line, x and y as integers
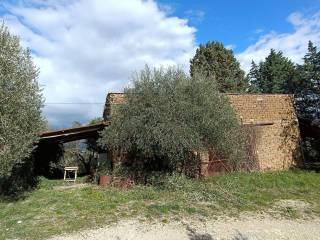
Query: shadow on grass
{"type": "Point", "coordinates": [15, 186]}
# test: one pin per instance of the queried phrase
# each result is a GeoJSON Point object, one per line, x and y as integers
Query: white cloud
{"type": "Point", "coordinates": [85, 49]}
{"type": "Point", "coordinates": [195, 16]}
{"type": "Point", "coordinates": [231, 46]}
{"type": "Point", "coordinates": [258, 31]}
{"type": "Point", "coordinates": [293, 45]}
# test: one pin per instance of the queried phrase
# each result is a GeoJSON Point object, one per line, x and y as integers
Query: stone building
{"type": "Point", "coordinates": [273, 120]}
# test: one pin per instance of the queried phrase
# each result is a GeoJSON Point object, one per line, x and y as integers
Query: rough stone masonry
{"type": "Point", "coordinates": [274, 120]}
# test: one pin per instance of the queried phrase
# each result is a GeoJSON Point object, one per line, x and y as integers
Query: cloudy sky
{"type": "Point", "coordinates": [87, 48]}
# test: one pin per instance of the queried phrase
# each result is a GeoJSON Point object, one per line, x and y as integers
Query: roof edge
{"type": "Point", "coordinates": [240, 94]}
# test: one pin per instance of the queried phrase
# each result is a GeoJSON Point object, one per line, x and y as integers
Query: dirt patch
{"type": "Point", "coordinates": [293, 209]}
{"type": "Point", "coordinates": [245, 227]}
{"type": "Point", "coordinates": [297, 204]}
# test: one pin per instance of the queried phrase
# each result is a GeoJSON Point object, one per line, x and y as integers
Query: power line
{"type": "Point", "coordinates": [53, 103]}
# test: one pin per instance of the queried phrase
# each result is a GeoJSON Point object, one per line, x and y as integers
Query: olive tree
{"type": "Point", "coordinates": [20, 103]}
{"type": "Point", "coordinates": [168, 115]}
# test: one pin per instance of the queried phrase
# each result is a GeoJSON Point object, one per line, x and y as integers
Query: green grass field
{"type": "Point", "coordinates": [51, 210]}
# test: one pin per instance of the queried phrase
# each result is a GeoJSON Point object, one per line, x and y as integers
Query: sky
{"type": "Point", "coordinates": [87, 48]}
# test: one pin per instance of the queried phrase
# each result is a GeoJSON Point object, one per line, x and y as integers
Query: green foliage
{"type": "Point", "coordinates": [72, 151]}
{"type": "Point", "coordinates": [276, 74]}
{"type": "Point", "coordinates": [20, 103]}
{"type": "Point", "coordinates": [21, 179]}
{"type": "Point", "coordinates": [213, 60]}
{"type": "Point", "coordinates": [307, 94]}
{"type": "Point", "coordinates": [168, 115]}
{"type": "Point", "coordinates": [81, 153]}
{"type": "Point", "coordinates": [106, 168]}
{"type": "Point", "coordinates": [91, 143]}
{"type": "Point", "coordinates": [96, 120]}
{"type": "Point", "coordinates": [308, 84]}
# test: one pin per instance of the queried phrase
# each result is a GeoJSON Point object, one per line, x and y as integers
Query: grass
{"type": "Point", "coordinates": [49, 210]}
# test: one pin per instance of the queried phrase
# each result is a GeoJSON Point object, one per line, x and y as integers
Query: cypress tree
{"type": "Point", "coordinates": [308, 84]}
{"type": "Point", "coordinates": [214, 61]}
{"type": "Point", "coordinates": [276, 74]}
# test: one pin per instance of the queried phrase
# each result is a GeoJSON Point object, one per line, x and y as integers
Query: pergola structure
{"type": "Point", "coordinates": [73, 134]}
{"type": "Point", "coordinates": [49, 145]}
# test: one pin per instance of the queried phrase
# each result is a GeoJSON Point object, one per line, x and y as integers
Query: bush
{"type": "Point", "coordinates": [169, 116]}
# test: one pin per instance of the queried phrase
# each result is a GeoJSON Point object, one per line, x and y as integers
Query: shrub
{"type": "Point", "coordinates": [168, 116]}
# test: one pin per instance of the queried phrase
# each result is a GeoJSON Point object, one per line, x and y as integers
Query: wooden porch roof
{"type": "Point", "coordinates": [73, 134]}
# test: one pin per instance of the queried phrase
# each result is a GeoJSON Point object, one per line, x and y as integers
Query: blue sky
{"type": "Point", "coordinates": [85, 49]}
{"type": "Point", "coordinates": [239, 23]}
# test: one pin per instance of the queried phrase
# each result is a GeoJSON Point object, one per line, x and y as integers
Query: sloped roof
{"type": "Point", "coordinates": [73, 134]}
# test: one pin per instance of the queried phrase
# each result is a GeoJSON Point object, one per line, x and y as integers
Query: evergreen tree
{"type": "Point", "coordinates": [308, 98]}
{"type": "Point", "coordinates": [308, 84]}
{"type": "Point", "coordinates": [253, 78]}
{"type": "Point", "coordinates": [274, 75]}
{"type": "Point", "coordinates": [213, 60]}
{"type": "Point", "coordinates": [20, 104]}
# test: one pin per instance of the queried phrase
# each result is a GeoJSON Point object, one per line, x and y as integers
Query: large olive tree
{"type": "Point", "coordinates": [20, 103]}
{"type": "Point", "coordinates": [168, 115]}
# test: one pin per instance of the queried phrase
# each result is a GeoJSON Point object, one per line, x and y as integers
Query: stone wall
{"type": "Point", "coordinates": [112, 100]}
{"type": "Point", "coordinates": [273, 118]}
{"type": "Point", "coordinates": [263, 107]}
